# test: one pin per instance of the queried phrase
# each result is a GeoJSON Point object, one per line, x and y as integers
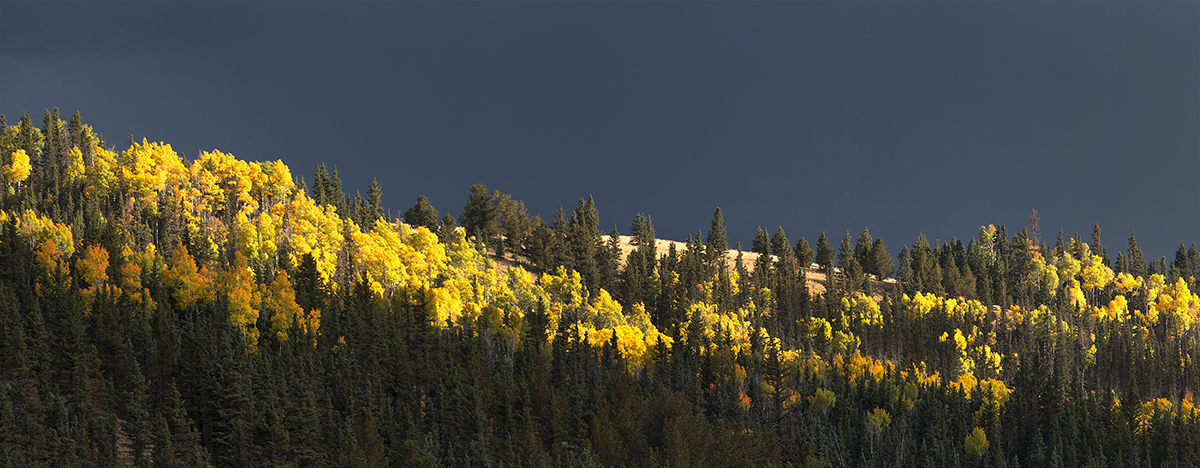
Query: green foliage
{"type": "Point", "coordinates": [422, 214]}
{"type": "Point", "coordinates": [135, 332]}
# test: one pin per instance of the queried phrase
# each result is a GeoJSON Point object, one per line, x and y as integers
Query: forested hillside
{"type": "Point", "coordinates": [158, 311]}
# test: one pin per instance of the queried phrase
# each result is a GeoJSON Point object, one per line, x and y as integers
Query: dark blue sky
{"type": "Point", "coordinates": [904, 117]}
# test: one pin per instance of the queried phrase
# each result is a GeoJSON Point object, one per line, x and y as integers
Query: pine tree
{"type": "Point", "coordinates": [1134, 259]}
{"type": "Point", "coordinates": [422, 214]}
{"type": "Point", "coordinates": [50, 164]}
{"type": "Point", "coordinates": [336, 196]}
{"type": "Point", "coordinates": [824, 252]}
{"type": "Point", "coordinates": [640, 279]}
{"type": "Point", "coordinates": [716, 245]}
{"type": "Point", "coordinates": [164, 447]}
{"type": "Point", "coordinates": [881, 263]}
{"type": "Point", "coordinates": [804, 253]}
{"type": "Point", "coordinates": [375, 200]}
{"type": "Point", "coordinates": [1097, 247]}
{"type": "Point", "coordinates": [779, 243]}
{"type": "Point", "coordinates": [608, 261]}
{"type": "Point", "coordinates": [762, 243]}
{"type": "Point", "coordinates": [583, 242]}
{"type": "Point", "coordinates": [862, 250]}
{"type": "Point", "coordinates": [320, 189]}
{"type": "Point", "coordinates": [29, 138]}
{"type": "Point", "coordinates": [1179, 266]}
{"type": "Point", "coordinates": [1194, 264]}
{"type": "Point", "coordinates": [446, 231]}
{"type": "Point", "coordinates": [845, 251]}
{"type": "Point", "coordinates": [361, 212]}
{"type": "Point", "coordinates": [479, 218]}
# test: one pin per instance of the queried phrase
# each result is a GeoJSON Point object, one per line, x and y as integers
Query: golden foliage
{"type": "Point", "coordinates": [19, 168]}
{"type": "Point", "coordinates": [976, 442]}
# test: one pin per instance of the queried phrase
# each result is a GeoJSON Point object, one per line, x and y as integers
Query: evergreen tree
{"type": "Point", "coordinates": [1134, 259]}
{"type": "Point", "coordinates": [862, 250]}
{"type": "Point", "coordinates": [1194, 264]}
{"type": "Point", "coordinates": [845, 251]}
{"type": "Point", "coordinates": [30, 139]}
{"type": "Point", "coordinates": [375, 199]}
{"type": "Point", "coordinates": [583, 242]}
{"type": "Point", "coordinates": [446, 232]}
{"type": "Point", "coordinates": [716, 245]}
{"type": "Point", "coordinates": [321, 189]}
{"type": "Point", "coordinates": [824, 252]}
{"type": "Point", "coordinates": [543, 249]}
{"type": "Point", "coordinates": [1097, 247]}
{"type": "Point", "coordinates": [640, 280]}
{"type": "Point", "coordinates": [905, 274]}
{"type": "Point", "coordinates": [762, 243]}
{"type": "Point", "coordinates": [336, 196]}
{"type": "Point", "coordinates": [804, 253]}
{"type": "Point", "coordinates": [881, 260]}
{"type": "Point", "coordinates": [479, 217]}
{"type": "Point", "coordinates": [422, 214]}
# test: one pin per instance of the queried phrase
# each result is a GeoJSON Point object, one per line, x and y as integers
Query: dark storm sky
{"type": "Point", "coordinates": [904, 117]}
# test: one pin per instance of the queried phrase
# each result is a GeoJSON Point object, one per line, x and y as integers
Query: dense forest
{"type": "Point", "coordinates": [162, 312]}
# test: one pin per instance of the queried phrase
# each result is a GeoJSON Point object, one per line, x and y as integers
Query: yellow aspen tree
{"type": "Point", "coordinates": [864, 309]}
{"type": "Point", "coordinates": [50, 259]}
{"type": "Point", "coordinates": [424, 257]}
{"type": "Point", "coordinates": [527, 292]}
{"type": "Point", "coordinates": [222, 182]}
{"type": "Point", "coordinates": [315, 230]}
{"type": "Point", "coordinates": [976, 443]}
{"type": "Point", "coordinates": [605, 311]}
{"type": "Point", "coordinates": [278, 184]}
{"type": "Point", "coordinates": [147, 168]}
{"type": "Point", "coordinates": [92, 268]}
{"type": "Point", "coordinates": [18, 169]}
{"type": "Point", "coordinates": [381, 255]}
{"type": "Point", "coordinates": [38, 229]}
{"type": "Point", "coordinates": [280, 298]}
{"type": "Point", "coordinates": [268, 232]}
{"type": "Point", "coordinates": [247, 236]}
{"type": "Point", "coordinates": [104, 173]}
{"type": "Point", "coordinates": [76, 170]}
{"type": "Point", "coordinates": [189, 286]}
{"type": "Point", "coordinates": [566, 293]}
{"type": "Point", "coordinates": [878, 421]}
{"type": "Point", "coordinates": [238, 286]}
{"type": "Point", "coordinates": [131, 276]}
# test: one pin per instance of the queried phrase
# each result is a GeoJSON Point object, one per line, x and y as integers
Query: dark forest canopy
{"type": "Point", "coordinates": [162, 312]}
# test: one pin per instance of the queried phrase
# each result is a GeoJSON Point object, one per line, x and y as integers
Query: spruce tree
{"type": "Point", "coordinates": [321, 188]}
{"type": "Point", "coordinates": [1059, 246]}
{"type": "Point", "coordinates": [422, 214]}
{"type": "Point", "coordinates": [1193, 264]}
{"type": "Point", "coordinates": [29, 138]}
{"type": "Point", "coordinates": [337, 197]}
{"type": "Point", "coordinates": [375, 200]}
{"type": "Point", "coordinates": [447, 229]}
{"type": "Point", "coordinates": [479, 218]}
{"type": "Point", "coordinates": [881, 260]}
{"type": "Point", "coordinates": [824, 252]}
{"type": "Point", "coordinates": [1135, 260]}
{"type": "Point", "coordinates": [845, 251]}
{"type": "Point", "coordinates": [862, 250]}
{"type": "Point", "coordinates": [779, 243]}
{"type": "Point", "coordinates": [1097, 246]}
{"type": "Point", "coordinates": [717, 244]}
{"type": "Point", "coordinates": [804, 253]}
{"type": "Point", "coordinates": [762, 242]}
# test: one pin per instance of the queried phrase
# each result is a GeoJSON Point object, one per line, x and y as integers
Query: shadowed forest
{"type": "Point", "coordinates": [157, 311]}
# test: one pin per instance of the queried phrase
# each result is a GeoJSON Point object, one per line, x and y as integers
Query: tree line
{"type": "Point", "coordinates": [156, 311]}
